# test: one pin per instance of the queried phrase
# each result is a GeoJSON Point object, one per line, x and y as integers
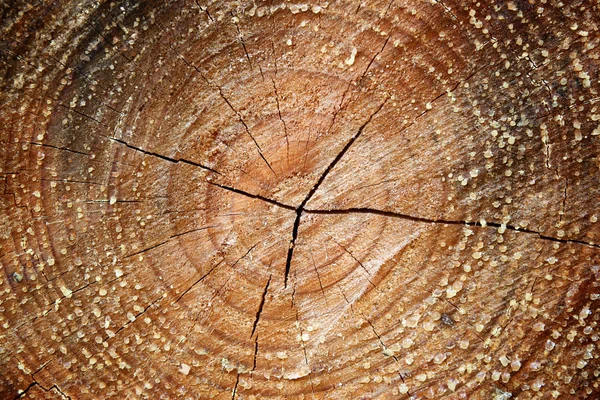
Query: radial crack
{"type": "Point", "coordinates": [237, 113]}
{"type": "Point", "coordinates": [135, 317]}
{"type": "Point", "coordinates": [340, 155]}
{"type": "Point", "coordinates": [564, 202]}
{"type": "Point", "coordinates": [211, 270]}
{"type": "Point", "coordinates": [290, 254]}
{"type": "Point", "coordinates": [58, 148]}
{"type": "Point", "coordinates": [300, 209]}
{"type": "Point", "coordinates": [184, 161]}
{"type": "Point", "coordinates": [224, 98]}
{"type": "Point", "coordinates": [253, 196]}
{"type": "Point", "coordinates": [375, 56]}
{"type": "Point", "coordinates": [260, 306]}
{"type": "Point", "coordinates": [318, 275]}
{"type": "Point", "coordinates": [449, 222]}
{"type": "Point", "coordinates": [241, 37]}
{"type": "Point", "coordinates": [205, 10]}
{"type": "Point", "coordinates": [369, 276]}
{"type": "Point", "coordinates": [27, 389]}
{"type": "Point", "coordinates": [198, 281]}
{"type": "Point", "coordinates": [163, 157]}
{"type": "Point", "coordinates": [285, 131]}
{"type": "Point", "coordinates": [255, 353]}
{"type": "Point", "coordinates": [237, 380]}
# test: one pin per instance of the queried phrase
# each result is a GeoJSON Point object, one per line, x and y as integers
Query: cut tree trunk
{"type": "Point", "coordinates": [335, 200]}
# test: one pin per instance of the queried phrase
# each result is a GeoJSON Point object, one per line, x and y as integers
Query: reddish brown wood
{"type": "Point", "coordinates": [336, 200]}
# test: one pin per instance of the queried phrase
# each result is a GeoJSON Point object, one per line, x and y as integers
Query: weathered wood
{"type": "Point", "coordinates": [384, 199]}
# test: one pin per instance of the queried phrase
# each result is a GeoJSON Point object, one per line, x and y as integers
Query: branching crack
{"type": "Point", "coordinates": [211, 270]}
{"type": "Point", "coordinates": [260, 306]}
{"type": "Point", "coordinates": [313, 190]}
{"type": "Point", "coordinates": [55, 387]}
{"type": "Point", "coordinates": [224, 98]}
{"type": "Point", "coordinates": [184, 161]}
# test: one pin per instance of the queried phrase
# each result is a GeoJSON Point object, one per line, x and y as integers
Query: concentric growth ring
{"type": "Point", "coordinates": [391, 199]}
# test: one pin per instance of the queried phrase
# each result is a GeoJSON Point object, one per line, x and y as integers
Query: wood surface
{"type": "Point", "coordinates": [392, 199]}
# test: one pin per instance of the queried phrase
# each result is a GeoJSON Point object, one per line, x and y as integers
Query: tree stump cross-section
{"type": "Point", "coordinates": [323, 200]}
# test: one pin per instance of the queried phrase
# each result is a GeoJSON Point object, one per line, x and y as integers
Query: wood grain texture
{"type": "Point", "coordinates": [336, 200]}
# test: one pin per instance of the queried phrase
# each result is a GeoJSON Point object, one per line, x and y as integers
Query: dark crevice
{"type": "Point", "coordinates": [374, 57]}
{"type": "Point", "coordinates": [448, 222]}
{"type": "Point", "coordinates": [55, 387]}
{"type": "Point", "coordinates": [318, 275]}
{"type": "Point", "coordinates": [253, 196]}
{"type": "Point", "coordinates": [369, 276]}
{"type": "Point", "coordinates": [41, 368]}
{"type": "Point", "coordinates": [83, 115]}
{"type": "Point", "coordinates": [35, 383]}
{"type": "Point", "coordinates": [184, 161]}
{"type": "Point", "coordinates": [146, 249]}
{"type": "Point", "coordinates": [447, 9]}
{"type": "Point", "coordinates": [205, 10]}
{"type": "Point", "coordinates": [468, 322]}
{"type": "Point", "coordinates": [255, 353]}
{"type": "Point", "coordinates": [260, 306]}
{"type": "Point", "coordinates": [224, 98]}
{"type": "Point", "coordinates": [290, 254]}
{"type": "Point", "coordinates": [384, 347]}
{"type": "Point", "coordinates": [285, 131]}
{"type": "Point", "coordinates": [163, 157]}
{"type": "Point", "coordinates": [237, 380]}
{"type": "Point", "coordinates": [564, 201]}
{"type": "Point", "coordinates": [27, 389]}
{"type": "Point", "coordinates": [193, 230]}
{"type": "Point", "coordinates": [372, 328]}
{"type": "Point", "coordinates": [354, 258]}
{"type": "Point", "coordinates": [316, 186]}
{"type": "Point", "coordinates": [339, 156]}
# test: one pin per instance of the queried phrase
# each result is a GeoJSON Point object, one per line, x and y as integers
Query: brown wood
{"type": "Point", "coordinates": [335, 200]}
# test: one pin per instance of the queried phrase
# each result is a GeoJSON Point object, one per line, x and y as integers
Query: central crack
{"type": "Point", "coordinates": [300, 208]}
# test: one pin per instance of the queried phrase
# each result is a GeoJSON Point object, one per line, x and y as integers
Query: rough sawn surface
{"type": "Point", "coordinates": [335, 200]}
